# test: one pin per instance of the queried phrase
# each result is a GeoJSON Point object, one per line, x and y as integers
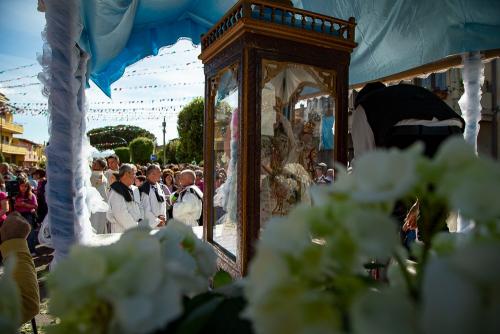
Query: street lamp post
{"type": "Point", "coordinates": [164, 124]}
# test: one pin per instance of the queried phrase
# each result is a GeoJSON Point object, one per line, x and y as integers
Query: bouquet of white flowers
{"type": "Point", "coordinates": [133, 286]}
{"type": "Point", "coordinates": [310, 271]}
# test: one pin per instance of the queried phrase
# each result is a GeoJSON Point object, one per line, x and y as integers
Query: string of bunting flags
{"type": "Point", "coordinates": [131, 117]}
{"type": "Point", "coordinates": [44, 111]}
{"type": "Point", "coordinates": [174, 84]}
{"type": "Point", "coordinates": [19, 78]}
{"type": "Point", "coordinates": [168, 99]}
{"type": "Point", "coordinates": [23, 85]}
{"type": "Point", "coordinates": [133, 73]}
{"type": "Point", "coordinates": [195, 48]}
{"type": "Point", "coordinates": [17, 68]}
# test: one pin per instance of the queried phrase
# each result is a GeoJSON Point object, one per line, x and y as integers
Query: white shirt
{"type": "Point", "coordinates": [188, 207]}
{"type": "Point", "coordinates": [363, 139]}
{"type": "Point", "coordinates": [122, 214]}
{"type": "Point", "coordinates": [108, 175]}
{"type": "Point", "coordinates": [153, 208]}
{"type": "Point", "coordinates": [361, 132]}
{"type": "Point", "coordinates": [100, 182]}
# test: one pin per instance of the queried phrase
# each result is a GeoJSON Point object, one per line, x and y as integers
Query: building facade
{"type": "Point", "coordinates": [19, 151]}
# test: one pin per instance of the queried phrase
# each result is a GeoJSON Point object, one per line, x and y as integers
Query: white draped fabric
{"type": "Point", "coordinates": [470, 102]}
{"type": "Point", "coordinates": [64, 68]}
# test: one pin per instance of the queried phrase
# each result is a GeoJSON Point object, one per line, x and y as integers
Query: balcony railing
{"type": "Point", "coordinates": [12, 127]}
{"type": "Point", "coordinates": [11, 149]}
{"type": "Point", "coordinates": [288, 17]}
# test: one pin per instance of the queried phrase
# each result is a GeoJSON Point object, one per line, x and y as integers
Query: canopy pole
{"type": "Point", "coordinates": [470, 102]}
{"type": "Point", "coordinates": [64, 78]}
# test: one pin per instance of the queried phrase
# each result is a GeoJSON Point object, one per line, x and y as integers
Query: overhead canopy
{"type": "Point", "coordinates": [392, 35]}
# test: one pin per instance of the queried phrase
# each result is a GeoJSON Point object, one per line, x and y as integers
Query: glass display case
{"type": "Point", "coordinates": [275, 107]}
{"type": "Point", "coordinates": [297, 113]}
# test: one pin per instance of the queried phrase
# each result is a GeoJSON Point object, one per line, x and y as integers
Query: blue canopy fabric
{"type": "Point", "coordinates": [327, 137]}
{"type": "Point", "coordinates": [392, 35]}
{"type": "Point", "coordinates": [118, 33]}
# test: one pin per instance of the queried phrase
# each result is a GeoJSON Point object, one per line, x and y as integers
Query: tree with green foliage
{"type": "Point", "coordinates": [141, 149]}
{"type": "Point", "coordinates": [190, 129]}
{"type": "Point", "coordinates": [110, 137]}
{"type": "Point", "coordinates": [171, 150]}
{"type": "Point", "coordinates": [123, 153]}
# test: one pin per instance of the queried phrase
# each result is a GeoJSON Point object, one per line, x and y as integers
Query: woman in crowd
{"type": "Point", "coordinates": [2, 183]}
{"type": "Point", "coordinates": [40, 176]}
{"type": "Point", "coordinates": [168, 188]}
{"type": "Point", "coordinates": [26, 204]}
{"type": "Point", "coordinates": [139, 180]}
{"type": "Point", "coordinates": [167, 180]}
{"type": "Point", "coordinates": [4, 202]}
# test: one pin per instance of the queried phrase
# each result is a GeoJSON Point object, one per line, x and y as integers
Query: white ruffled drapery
{"type": "Point", "coordinates": [64, 68]}
{"type": "Point", "coordinates": [470, 102]}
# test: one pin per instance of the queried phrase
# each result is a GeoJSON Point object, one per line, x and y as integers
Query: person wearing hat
{"type": "Point", "coordinates": [320, 177]}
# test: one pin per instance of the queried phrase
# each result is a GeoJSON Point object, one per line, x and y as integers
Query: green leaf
{"type": "Point", "coordinates": [221, 279]}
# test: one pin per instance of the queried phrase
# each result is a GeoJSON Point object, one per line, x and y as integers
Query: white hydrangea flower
{"type": "Point", "coordinates": [10, 301]}
{"type": "Point", "coordinates": [292, 307]}
{"type": "Point", "coordinates": [133, 286]}
{"type": "Point", "coordinates": [474, 190]}
{"type": "Point", "coordinates": [374, 232]}
{"type": "Point", "coordinates": [461, 292]}
{"type": "Point", "coordinates": [294, 230]}
{"type": "Point", "coordinates": [386, 175]}
{"type": "Point", "coordinates": [450, 302]}
{"type": "Point", "coordinates": [388, 311]}
{"type": "Point", "coordinates": [313, 259]}
{"type": "Point", "coordinates": [454, 154]}
{"type": "Point", "coordinates": [189, 261]}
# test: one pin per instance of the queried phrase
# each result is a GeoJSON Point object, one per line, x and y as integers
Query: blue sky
{"type": "Point", "coordinates": [20, 42]}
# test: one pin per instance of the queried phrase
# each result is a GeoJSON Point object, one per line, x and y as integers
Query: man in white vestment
{"type": "Point", "coordinates": [152, 198]}
{"type": "Point", "coordinates": [113, 166]}
{"type": "Point", "coordinates": [188, 206]}
{"type": "Point", "coordinates": [125, 209]}
{"type": "Point", "coordinates": [99, 181]}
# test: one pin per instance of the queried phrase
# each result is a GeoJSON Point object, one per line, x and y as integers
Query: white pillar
{"type": "Point", "coordinates": [64, 78]}
{"type": "Point", "coordinates": [470, 102]}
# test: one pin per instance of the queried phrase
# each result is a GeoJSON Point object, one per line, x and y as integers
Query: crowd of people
{"type": "Point", "coordinates": [22, 190]}
{"type": "Point", "coordinates": [146, 195]}
{"type": "Point", "coordinates": [137, 195]}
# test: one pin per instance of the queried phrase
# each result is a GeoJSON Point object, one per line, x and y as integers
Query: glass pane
{"type": "Point", "coordinates": [297, 134]}
{"type": "Point", "coordinates": [226, 139]}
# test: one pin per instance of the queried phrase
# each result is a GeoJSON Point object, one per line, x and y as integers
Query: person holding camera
{"type": "Point", "coordinates": [6, 172]}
